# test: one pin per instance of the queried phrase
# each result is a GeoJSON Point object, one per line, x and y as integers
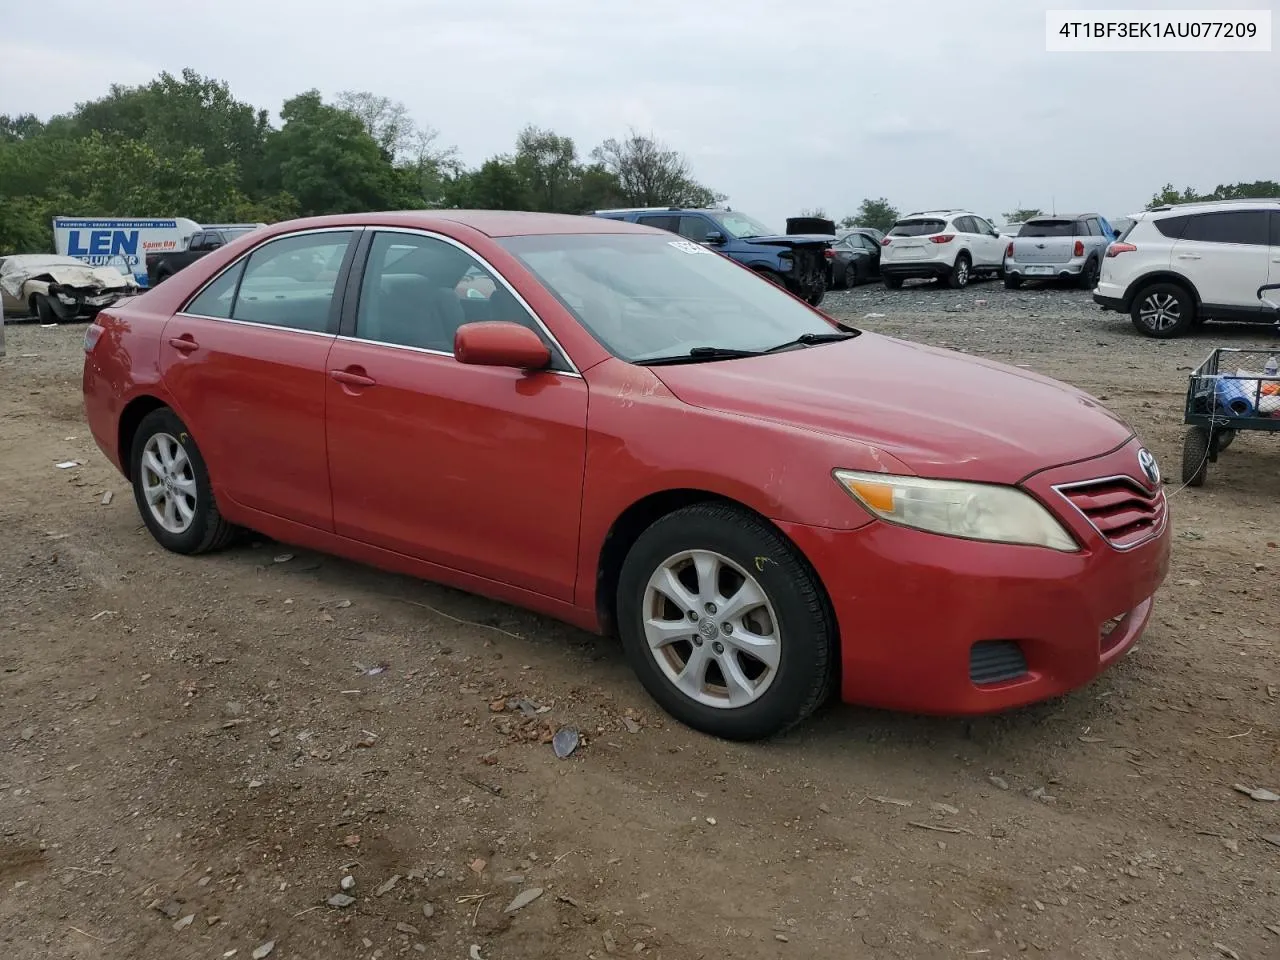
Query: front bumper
{"type": "Point", "coordinates": [1030, 270]}
{"type": "Point", "coordinates": [912, 606]}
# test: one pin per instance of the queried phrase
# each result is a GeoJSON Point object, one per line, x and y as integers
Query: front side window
{"type": "Point", "coordinates": [646, 297]}
{"type": "Point", "coordinates": [695, 228]}
{"type": "Point", "coordinates": [417, 290]}
{"type": "Point", "coordinates": [290, 282]}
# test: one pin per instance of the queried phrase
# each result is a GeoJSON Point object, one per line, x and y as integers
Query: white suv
{"type": "Point", "coordinates": [1180, 265]}
{"type": "Point", "coordinates": [946, 245]}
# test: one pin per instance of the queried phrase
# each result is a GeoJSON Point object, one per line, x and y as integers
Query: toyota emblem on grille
{"type": "Point", "coordinates": [1149, 467]}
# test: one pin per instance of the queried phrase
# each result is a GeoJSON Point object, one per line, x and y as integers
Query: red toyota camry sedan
{"type": "Point", "coordinates": [617, 427]}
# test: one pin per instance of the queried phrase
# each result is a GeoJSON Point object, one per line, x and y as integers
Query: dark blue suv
{"type": "Point", "coordinates": [794, 260]}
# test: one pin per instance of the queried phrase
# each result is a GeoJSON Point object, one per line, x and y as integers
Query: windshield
{"type": "Point", "coordinates": [647, 297]}
{"type": "Point", "coordinates": [742, 227]}
{"type": "Point", "coordinates": [1048, 228]}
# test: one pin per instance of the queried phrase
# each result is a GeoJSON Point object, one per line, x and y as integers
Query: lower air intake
{"type": "Point", "coordinates": [995, 661]}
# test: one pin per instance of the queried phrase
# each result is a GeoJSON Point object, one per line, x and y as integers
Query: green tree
{"type": "Point", "coordinates": [651, 174]}
{"type": "Point", "coordinates": [547, 163]}
{"type": "Point", "coordinates": [879, 214]}
{"type": "Point", "coordinates": [814, 212]}
{"type": "Point", "coordinates": [326, 160]}
{"type": "Point", "coordinates": [1168, 195]}
{"type": "Point", "coordinates": [1023, 214]}
{"type": "Point", "coordinates": [496, 185]}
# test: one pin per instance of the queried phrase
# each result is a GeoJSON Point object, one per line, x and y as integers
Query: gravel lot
{"type": "Point", "coordinates": [194, 761]}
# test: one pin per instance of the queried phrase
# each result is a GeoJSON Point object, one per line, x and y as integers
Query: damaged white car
{"type": "Point", "coordinates": [56, 288]}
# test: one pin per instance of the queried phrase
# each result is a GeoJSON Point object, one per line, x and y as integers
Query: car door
{"type": "Point", "coordinates": [988, 241]}
{"type": "Point", "coordinates": [1226, 254]}
{"type": "Point", "coordinates": [1274, 273]}
{"type": "Point", "coordinates": [245, 362]}
{"type": "Point", "coordinates": [475, 468]}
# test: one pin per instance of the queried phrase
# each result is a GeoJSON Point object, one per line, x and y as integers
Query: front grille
{"type": "Point", "coordinates": [995, 661]}
{"type": "Point", "coordinates": [1119, 508]}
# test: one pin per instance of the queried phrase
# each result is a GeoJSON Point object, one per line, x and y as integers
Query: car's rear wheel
{"type": "Point", "coordinates": [725, 623]}
{"type": "Point", "coordinates": [815, 299]}
{"type": "Point", "coordinates": [958, 278]}
{"type": "Point", "coordinates": [172, 489]}
{"type": "Point", "coordinates": [1011, 282]}
{"type": "Point", "coordinates": [893, 283]}
{"type": "Point", "coordinates": [43, 309]}
{"type": "Point", "coordinates": [1089, 275]}
{"type": "Point", "coordinates": [1163, 310]}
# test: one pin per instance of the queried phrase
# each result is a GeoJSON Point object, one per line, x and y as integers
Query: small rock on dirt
{"type": "Point", "coordinates": [631, 725]}
{"type": "Point", "coordinates": [1226, 951]}
{"type": "Point", "coordinates": [523, 899]}
{"type": "Point", "coordinates": [185, 922]}
{"type": "Point", "coordinates": [341, 901]}
{"type": "Point", "coordinates": [946, 808]}
{"type": "Point", "coordinates": [170, 908]}
{"type": "Point", "coordinates": [1258, 793]}
{"type": "Point", "coordinates": [264, 950]}
{"type": "Point", "coordinates": [348, 882]}
{"type": "Point", "coordinates": [998, 782]}
{"type": "Point", "coordinates": [565, 742]}
{"type": "Point", "coordinates": [406, 928]}
{"type": "Point", "coordinates": [28, 733]}
{"type": "Point", "coordinates": [428, 911]}
{"type": "Point", "coordinates": [388, 886]}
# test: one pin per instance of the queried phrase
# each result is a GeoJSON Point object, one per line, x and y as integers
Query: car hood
{"type": "Point", "coordinates": [107, 278]}
{"type": "Point", "coordinates": [790, 240]}
{"type": "Point", "coordinates": [941, 413]}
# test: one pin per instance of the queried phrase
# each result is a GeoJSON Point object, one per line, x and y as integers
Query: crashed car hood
{"type": "Point", "coordinates": [789, 239]}
{"type": "Point", "coordinates": [941, 413]}
{"type": "Point", "coordinates": [106, 278]}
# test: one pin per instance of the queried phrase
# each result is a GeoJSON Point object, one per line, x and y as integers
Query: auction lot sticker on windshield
{"type": "Point", "coordinates": [688, 246]}
{"type": "Point", "coordinates": [1158, 31]}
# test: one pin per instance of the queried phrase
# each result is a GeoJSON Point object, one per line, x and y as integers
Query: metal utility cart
{"type": "Point", "coordinates": [1232, 390]}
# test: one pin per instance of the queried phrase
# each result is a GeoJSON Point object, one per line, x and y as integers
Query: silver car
{"type": "Point", "coordinates": [1061, 247]}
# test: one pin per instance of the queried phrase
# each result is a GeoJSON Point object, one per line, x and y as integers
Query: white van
{"type": "Point", "coordinates": [122, 243]}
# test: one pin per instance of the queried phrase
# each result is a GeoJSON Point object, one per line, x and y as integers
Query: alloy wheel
{"type": "Point", "coordinates": [1160, 311]}
{"type": "Point", "coordinates": [169, 482]}
{"type": "Point", "coordinates": [711, 629]}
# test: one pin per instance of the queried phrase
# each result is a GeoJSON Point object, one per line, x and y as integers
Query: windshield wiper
{"type": "Point", "coordinates": [698, 354]}
{"type": "Point", "coordinates": [808, 339]}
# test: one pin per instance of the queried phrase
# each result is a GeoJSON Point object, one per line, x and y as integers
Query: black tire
{"type": "Point", "coordinates": [161, 276]}
{"type": "Point", "coordinates": [815, 299]}
{"type": "Point", "coordinates": [1089, 275]}
{"type": "Point", "coordinates": [43, 309]}
{"type": "Point", "coordinates": [807, 661]}
{"type": "Point", "coordinates": [1163, 310]}
{"type": "Point", "coordinates": [958, 278]}
{"type": "Point", "coordinates": [207, 529]}
{"type": "Point", "coordinates": [849, 277]}
{"type": "Point", "coordinates": [1011, 282]}
{"type": "Point", "coordinates": [892, 283]}
{"type": "Point", "coordinates": [1195, 456]}
{"type": "Point", "coordinates": [1224, 439]}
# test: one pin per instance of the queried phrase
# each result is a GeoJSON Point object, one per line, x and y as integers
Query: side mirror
{"type": "Point", "coordinates": [500, 344]}
{"type": "Point", "coordinates": [714, 237]}
{"type": "Point", "coordinates": [214, 245]}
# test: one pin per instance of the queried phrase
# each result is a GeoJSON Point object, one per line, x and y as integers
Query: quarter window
{"type": "Point", "coordinates": [1233, 226]}
{"type": "Point", "coordinates": [290, 282]}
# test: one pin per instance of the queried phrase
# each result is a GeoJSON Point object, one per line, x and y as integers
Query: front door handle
{"type": "Point", "coordinates": [352, 379]}
{"type": "Point", "coordinates": [183, 344]}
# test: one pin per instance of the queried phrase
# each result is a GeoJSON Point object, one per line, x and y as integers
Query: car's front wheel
{"type": "Point", "coordinates": [172, 489]}
{"type": "Point", "coordinates": [725, 624]}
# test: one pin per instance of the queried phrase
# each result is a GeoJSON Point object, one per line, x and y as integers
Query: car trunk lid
{"type": "Point", "coordinates": [1045, 241]}
{"type": "Point", "coordinates": [909, 239]}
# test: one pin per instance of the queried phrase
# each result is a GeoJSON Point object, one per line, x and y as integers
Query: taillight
{"type": "Point", "coordinates": [885, 241]}
{"type": "Point", "coordinates": [1008, 251]}
{"type": "Point", "coordinates": [91, 335]}
{"type": "Point", "coordinates": [829, 253]}
{"type": "Point", "coordinates": [1079, 249]}
{"type": "Point", "coordinates": [942, 238]}
{"type": "Point", "coordinates": [1118, 248]}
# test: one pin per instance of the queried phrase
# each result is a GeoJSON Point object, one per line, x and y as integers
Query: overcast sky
{"type": "Point", "coordinates": [780, 105]}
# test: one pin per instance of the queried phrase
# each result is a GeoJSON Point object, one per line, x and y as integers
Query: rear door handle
{"type": "Point", "coordinates": [352, 379]}
{"type": "Point", "coordinates": [183, 344]}
{"type": "Point", "coordinates": [1188, 256]}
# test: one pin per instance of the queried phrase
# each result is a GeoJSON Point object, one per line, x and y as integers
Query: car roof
{"type": "Point", "coordinates": [491, 223]}
{"type": "Point", "coordinates": [934, 214]}
{"type": "Point", "coordinates": [1063, 216]}
{"type": "Point", "coordinates": [1207, 206]}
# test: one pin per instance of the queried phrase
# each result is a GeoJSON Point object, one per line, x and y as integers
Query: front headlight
{"type": "Point", "coordinates": [975, 511]}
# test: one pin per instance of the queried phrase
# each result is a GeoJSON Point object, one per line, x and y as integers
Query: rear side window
{"type": "Point", "coordinates": [1233, 226]}
{"type": "Point", "coordinates": [1275, 228]}
{"type": "Point", "coordinates": [662, 223]}
{"type": "Point", "coordinates": [1172, 227]}
{"type": "Point", "coordinates": [290, 282]}
{"type": "Point", "coordinates": [1095, 228]}
{"type": "Point", "coordinates": [1048, 228]}
{"type": "Point", "coordinates": [916, 228]}
{"type": "Point", "coordinates": [215, 299]}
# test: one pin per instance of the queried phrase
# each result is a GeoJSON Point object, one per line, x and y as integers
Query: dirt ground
{"type": "Point", "coordinates": [194, 757]}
